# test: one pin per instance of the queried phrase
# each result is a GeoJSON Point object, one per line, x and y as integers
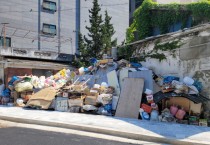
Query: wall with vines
{"type": "Point", "coordinates": [152, 15]}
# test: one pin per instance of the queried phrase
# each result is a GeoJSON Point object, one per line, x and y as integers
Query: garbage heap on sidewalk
{"type": "Point", "coordinates": [114, 88]}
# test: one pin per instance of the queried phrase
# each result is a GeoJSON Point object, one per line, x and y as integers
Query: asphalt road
{"type": "Point", "coordinates": [26, 136]}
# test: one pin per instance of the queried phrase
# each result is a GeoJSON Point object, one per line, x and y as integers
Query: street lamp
{"type": "Point", "coordinates": [4, 29]}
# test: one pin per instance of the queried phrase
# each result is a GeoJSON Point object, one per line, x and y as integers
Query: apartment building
{"type": "Point", "coordinates": [47, 30]}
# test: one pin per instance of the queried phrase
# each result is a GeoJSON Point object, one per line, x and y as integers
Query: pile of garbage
{"type": "Point", "coordinates": [97, 89]}
{"type": "Point", "coordinates": [172, 83]}
{"type": "Point", "coordinates": [176, 102]}
{"type": "Point", "coordinates": [21, 88]}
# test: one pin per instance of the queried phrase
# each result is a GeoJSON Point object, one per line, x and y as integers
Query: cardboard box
{"type": "Point", "coordinates": [91, 100]}
{"type": "Point", "coordinates": [75, 102]}
{"type": "Point", "coordinates": [195, 108]}
{"type": "Point", "coordinates": [65, 94]}
{"type": "Point", "coordinates": [180, 101]}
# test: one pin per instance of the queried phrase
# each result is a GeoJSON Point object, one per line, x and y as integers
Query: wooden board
{"type": "Point", "coordinates": [113, 81]}
{"type": "Point", "coordinates": [146, 75]}
{"type": "Point", "coordinates": [123, 74]}
{"type": "Point", "coordinates": [130, 98]}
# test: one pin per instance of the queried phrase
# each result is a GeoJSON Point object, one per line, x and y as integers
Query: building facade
{"type": "Point", "coordinates": [34, 32]}
{"type": "Point", "coordinates": [48, 29]}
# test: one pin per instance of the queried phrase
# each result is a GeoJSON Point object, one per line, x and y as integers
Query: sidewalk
{"type": "Point", "coordinates": [122, 127]}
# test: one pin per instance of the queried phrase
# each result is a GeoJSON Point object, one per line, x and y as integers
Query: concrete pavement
{"type": "Point", "coordinates": [121, 127]}
{"type": "Point", "coordinates": [67, 136]}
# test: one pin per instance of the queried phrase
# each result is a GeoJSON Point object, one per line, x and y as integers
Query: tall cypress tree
{"type": "Point", "coordinates": [95, 39]}
{"type": "Point", "coordinates": [108, 32]}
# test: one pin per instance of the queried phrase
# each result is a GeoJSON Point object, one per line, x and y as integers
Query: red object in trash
{"type": "Point", "coordinates": [173, 110]}
{"type": "Point", "coordinates": [146, 108]}
{"type": "Point", "coordinates": [180, 114]}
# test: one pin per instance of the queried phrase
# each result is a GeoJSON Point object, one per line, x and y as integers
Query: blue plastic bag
{"type": "Point", "coordinates": [5, 93]}
{"type": "Point", "coordinates": [136, 65]}
{"type": "Point", "coordinates": [108, 108]}
{"type": "Point", "coordinates": [198, 85]}
{"type": "Point", "coordinates": [169, 79]}
{"type": "Point", "coordinates": [14, 78]}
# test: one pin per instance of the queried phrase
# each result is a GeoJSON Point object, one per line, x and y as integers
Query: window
{"type": "Point", "coordinates": [49, 6]}
{"type": "Point", "coordinates": [8, 41]}
{"type": "Point", "coordinates": [49, 29]}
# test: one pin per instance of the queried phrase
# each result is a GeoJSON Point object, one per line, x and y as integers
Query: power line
{"type": "Point", "coordinates": [111, 5]}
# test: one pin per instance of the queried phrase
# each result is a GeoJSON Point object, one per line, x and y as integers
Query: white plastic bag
{"type": "Point", "coordinates": [104, 98]}
{"type": "Point", "coordinates": [89, 108]}
{"type": "Point", "coordinates": [23, 86]}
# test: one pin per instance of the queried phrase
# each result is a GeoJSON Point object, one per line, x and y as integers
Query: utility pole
{"type": "Point", "coordinates": [39, 23]}
{"type": "Point", "coordinates": [59, 26]}
{"type": "Point", "coordinates": [4, 31]}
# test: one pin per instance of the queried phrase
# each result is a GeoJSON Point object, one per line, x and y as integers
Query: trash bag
{"type": "Point", "coordinates": [35, 81]}
{"type": "Point", "coordinates": [136, 65]}
{"type": "Point", "coordinates": [89, 108]}
{"type": "Point", "coordinates": [41, 82]}
{"type": "Point", "coordinates": [169, 79]}
{"type": "Point", "coordinates": [5, 93]}
{"type": "Point", "coordinates": [198, 85]}
{"type": "Point", "coordinates": [108, 108]}
{"type": "Point", "coordinates": [14, 78]}
{"type": "Point", "coordinates": [23, 86]}
{"type": "Point", "coordinates": [104, 98]}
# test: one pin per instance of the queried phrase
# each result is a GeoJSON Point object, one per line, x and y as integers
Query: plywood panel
{"type": "Point", "coordinates": [123, 74]}
{"type": "Point", "coordinates": [146, 75]}
{"type": "Point", "coordinates": [130, 98]}
{"type": "Point", "coordinates": [113, 81]}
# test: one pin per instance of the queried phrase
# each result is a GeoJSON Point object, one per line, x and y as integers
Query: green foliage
{"type": "Point", "coordinates": [99, 38]}
{"type": "Point", "coordinates": [152, 15]}
{"type": "Point", "coordinates": [158, 51]}
{"type": "Point", "coordinates": [125, 52]}
{"type": "Point", "coordinates": [142, 19]}
{"type": "Point", "coordinates": [94, 41]}
{"type": "Point", "coordinates": [84, 51]}
{"type": "Point", "coordinates": [108, 32]}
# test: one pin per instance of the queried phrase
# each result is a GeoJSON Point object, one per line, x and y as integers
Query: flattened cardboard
{"type": "Point", "coordinates": [43, 98]}
{"type": "Point", "coordinates": [91, 100]}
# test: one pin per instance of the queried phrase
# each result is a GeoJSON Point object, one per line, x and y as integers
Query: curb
{"type": "Point", "coordinates": [106, 131]}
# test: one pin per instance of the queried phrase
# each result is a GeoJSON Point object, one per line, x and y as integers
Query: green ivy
{"type": "Point", "coordinates": [158, 51]}
{"type": "Point", "coordinates": [152, 15]}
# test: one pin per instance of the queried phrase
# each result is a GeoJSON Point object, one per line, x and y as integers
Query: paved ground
{"type": "Point", "coordinates": [25, 134]}
{"type": "Point", "coordinates": [152, 129]}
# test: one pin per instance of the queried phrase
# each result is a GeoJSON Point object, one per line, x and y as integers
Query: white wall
{"type": "Point", "coordinates": [192, 59]}
{"type": "Point", "coordinates": [117, 9]}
